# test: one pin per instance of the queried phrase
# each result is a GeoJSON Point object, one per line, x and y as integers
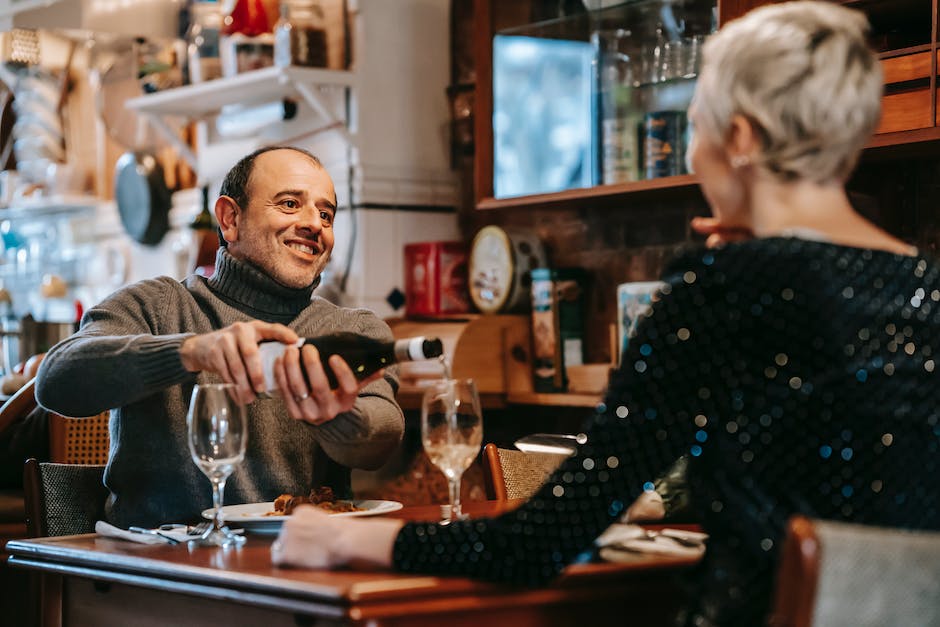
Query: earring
{"type": "Point", "coordinates": [740, 161]}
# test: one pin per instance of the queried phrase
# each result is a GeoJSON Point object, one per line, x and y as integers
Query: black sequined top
{"type": "Point", "coordinates": [798, 376]}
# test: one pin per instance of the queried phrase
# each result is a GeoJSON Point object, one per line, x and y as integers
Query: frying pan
{"type": "Point", "coordinates": [143, 199]}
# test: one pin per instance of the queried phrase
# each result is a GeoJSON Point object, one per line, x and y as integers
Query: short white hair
{"type": "Point", "coordinates": [802, 73]}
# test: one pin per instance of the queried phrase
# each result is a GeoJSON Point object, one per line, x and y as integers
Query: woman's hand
{"type": "Point", "coordinates": [232, 353]}
{"type": "Point", "coordinates": [311, 538]}
{"type": "Point", "coordinates": [309, 397]}
{"type": "Point", "coordinates": [720, 233]}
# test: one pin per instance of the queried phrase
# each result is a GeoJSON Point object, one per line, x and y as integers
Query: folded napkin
{"type": "Point", "coordinates": [177, 532]}
{"type": "Point", "coordinates": [622, 542]}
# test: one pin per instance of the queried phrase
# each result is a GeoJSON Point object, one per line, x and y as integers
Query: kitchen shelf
{"type": "Point", "coordinates": [613, 196]}
{"type": "Point", "coordinates": [264, 85]}
{"type": "Point", "coordinates": [897, 144]}
{"type": "Point", "coordinates": [554, 400]}
{"type": "Point", "coordinates": [203, 100]}
{"type": "Point", "coordinates": [50, 206]}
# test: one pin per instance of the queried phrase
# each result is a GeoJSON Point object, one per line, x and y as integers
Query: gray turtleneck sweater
{"type": "Point", "coordinates": [126, 358]}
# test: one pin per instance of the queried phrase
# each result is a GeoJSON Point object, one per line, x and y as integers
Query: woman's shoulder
{"type": "Point", "coordinates": [787, 258]}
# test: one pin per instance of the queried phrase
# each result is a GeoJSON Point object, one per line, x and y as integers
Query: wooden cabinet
{"type": "Point", "coordinates": [903, 31]}
{"type": "Point", "coordinates": [494, 351]}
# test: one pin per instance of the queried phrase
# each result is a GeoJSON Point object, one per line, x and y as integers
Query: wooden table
{"type": "Point", "coordinates": [95, 581]}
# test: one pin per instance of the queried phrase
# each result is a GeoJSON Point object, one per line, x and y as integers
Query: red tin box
{"type": "Point", "coordinates": [436, 279]}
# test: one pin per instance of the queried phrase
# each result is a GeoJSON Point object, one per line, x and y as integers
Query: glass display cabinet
{"type": "Point", "coordinates": [595, 98]}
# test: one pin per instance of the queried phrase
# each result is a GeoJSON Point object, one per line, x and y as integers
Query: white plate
{"type": "Point", "coordinates": [251, 516]}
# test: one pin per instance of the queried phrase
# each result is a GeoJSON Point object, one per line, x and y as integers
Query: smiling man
{"type": "Point", "coordinates": [141, 351]}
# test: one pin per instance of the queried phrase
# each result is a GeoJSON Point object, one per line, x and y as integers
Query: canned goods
{"type": "Point", "coordinates": [557, 326]}
{"type": "Point", "coordinates": [663, 143]}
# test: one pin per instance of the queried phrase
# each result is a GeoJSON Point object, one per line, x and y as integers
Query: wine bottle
{"type": "Point", "coordinates": [364, 355]}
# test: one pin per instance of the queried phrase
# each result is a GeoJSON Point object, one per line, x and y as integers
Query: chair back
{"type": "Point", "coordinates": [63, 499]}
{"type": "Point", "coordinates": [71, 440]}
{"type": "Point", "coordinates": [848, 575]}
{"type": "Point", "coordinates": [79, 440]}
{"type": "Point", "coordinates": [510, 474]}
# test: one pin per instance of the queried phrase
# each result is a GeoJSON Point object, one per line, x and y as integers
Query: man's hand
{"type": "Point", "coordinates": [310, 398]}
{"type": "Point", "coordinates": [232, 353]}
{"type": "Point", "coordinates": [720, 233]}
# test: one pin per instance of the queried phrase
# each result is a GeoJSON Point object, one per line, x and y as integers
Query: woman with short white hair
{"type": "Point", "coordinates": [793, 361]}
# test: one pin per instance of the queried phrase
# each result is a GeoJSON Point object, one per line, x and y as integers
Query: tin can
{"type": "Point", "coordinates": [663, 144]}
{"type": "Point", "coordinates": [557, 326]}
{"type": "Point", "coordinates": [634, 301]}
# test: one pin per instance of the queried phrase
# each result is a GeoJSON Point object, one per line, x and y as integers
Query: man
{"type": "Point", "coordinates": [141, 351]}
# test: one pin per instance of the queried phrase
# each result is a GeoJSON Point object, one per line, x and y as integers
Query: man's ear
{"type": "Point", "coordinates": [227, 214]}
{"type": "Point", "coordinates": [743, 141]}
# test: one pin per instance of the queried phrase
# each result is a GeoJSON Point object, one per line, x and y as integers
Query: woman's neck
{"type": "Point", "coordinates": [782, 208]}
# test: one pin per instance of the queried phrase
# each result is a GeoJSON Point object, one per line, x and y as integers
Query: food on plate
{"type": "Point", "coordinates": [285, 504]}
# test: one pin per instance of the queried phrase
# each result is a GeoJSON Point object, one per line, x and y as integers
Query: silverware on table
{"type": "Point", "coordinates": [153, 532]}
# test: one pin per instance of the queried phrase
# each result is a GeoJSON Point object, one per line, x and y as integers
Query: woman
{"type": "Point", "coordinates": [795, 366]}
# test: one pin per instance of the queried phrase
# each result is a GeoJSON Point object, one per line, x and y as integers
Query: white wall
{"type": "Point", "coordinates": [400, 159]}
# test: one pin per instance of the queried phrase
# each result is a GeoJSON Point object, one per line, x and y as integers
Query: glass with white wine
{"type": "Point", "coordinates": [218, 434]}
{"type": "Point", "coordinates": [452, 432]}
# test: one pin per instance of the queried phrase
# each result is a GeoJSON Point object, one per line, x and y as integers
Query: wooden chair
{"type": "Point", "coordinates": [840, 575]}
{"type": "Point", "coordinates": [510, 474]}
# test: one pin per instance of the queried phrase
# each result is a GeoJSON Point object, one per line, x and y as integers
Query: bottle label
{"type": "Point", "coordinates": [269, 352]}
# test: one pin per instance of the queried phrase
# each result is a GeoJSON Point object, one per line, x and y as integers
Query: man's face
{"type": "Point", "coordinates": [287, 227]}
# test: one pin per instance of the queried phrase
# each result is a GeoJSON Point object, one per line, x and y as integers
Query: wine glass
{"type": "Point", "coordinates": [451, 432]}
{"type": "Point", "coordinates": [217, 438]}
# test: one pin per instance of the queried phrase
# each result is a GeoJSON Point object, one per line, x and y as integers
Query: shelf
{"type": "Point", "coordinates": [902, 143]}
{"type": "Point", "coordinates": [554, 400]}
{"type": "Point", "coordinates": [609, 196]}
{"type": "Point", "coordinates": [50, 206]}
{"type": "Point", "coordinates": [203, 100]}
{"type": "Point", "coordinates": [265, 85]}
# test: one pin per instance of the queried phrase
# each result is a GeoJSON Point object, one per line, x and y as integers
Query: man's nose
{"type": "Point", "coordinates": [310, 220]}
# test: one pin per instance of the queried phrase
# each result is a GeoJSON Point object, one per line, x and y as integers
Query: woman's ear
{"type": "Point", "coordinates": [743, 142]}
{"type": "Point", "coordinates": [227, 213]}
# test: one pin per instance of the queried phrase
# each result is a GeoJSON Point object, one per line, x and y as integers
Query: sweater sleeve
{"type": "Point", "coordinates": [633, 436]}
{"type": "Point", "coordinates": [117, 357]}
{"type": "Point", "coordinates": [367, 435]}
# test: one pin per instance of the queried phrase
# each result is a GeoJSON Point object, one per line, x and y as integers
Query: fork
{"type": "Point", "coordinates": [199, 529]}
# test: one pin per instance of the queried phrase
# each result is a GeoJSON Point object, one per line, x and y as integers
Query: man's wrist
{"type": "Point", "coordinates": [186, 354]}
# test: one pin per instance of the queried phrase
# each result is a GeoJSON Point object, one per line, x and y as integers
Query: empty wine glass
{"type": "Point", "coordinates": [451, 432]}
{"type": "Point", "coordinates": [217, 439]}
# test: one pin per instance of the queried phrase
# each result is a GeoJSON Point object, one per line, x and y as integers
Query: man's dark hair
{"type": "Point", "coordinates": [235, 183]}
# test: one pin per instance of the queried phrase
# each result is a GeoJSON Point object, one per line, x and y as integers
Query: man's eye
{"type": "Point", "coordinates": [326, 216]}
{"type": "Point", "coordinates": [291, 203]}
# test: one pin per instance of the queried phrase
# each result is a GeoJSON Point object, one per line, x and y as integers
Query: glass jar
{"type": "Point", "coordinates": [302, 27]}
{"type": "Point", "coordinates": [205, 22]}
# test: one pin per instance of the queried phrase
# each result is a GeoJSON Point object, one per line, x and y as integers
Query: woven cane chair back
{"type": "Point", "coordinates": [515, 474]}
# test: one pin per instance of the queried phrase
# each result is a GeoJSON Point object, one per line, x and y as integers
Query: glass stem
{"type": "Point", "coordinates": [218, 490]}
{"type": "Point", "coordinates": [454, 485]}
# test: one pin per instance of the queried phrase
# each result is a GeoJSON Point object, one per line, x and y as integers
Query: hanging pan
{"type": "Point", "coordinates": [143, 199]}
